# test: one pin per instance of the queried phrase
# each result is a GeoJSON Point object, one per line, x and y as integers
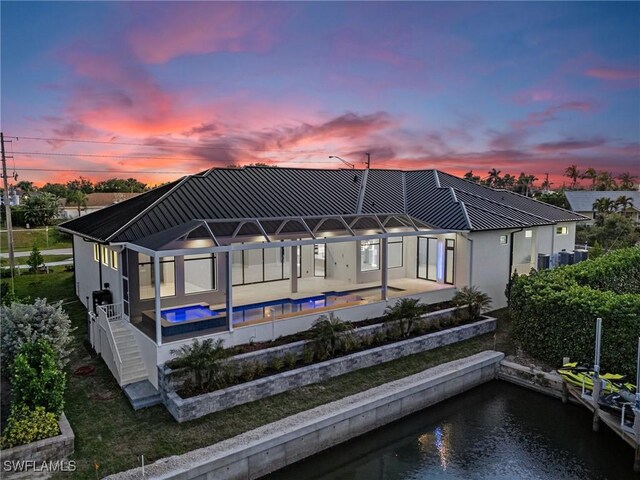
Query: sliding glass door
{"type": "Point", "coordinates": [427, 258]}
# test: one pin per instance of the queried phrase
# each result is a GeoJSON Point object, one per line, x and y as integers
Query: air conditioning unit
{"type": "Point", "coordinates": [580, 255]}
{"type": "Point", "coordinates": [544, 261]}
{"type": "Point", "coordinates": [565, 258]}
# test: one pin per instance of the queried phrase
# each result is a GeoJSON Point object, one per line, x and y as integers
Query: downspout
{"type": "Point", "coordinates": [511, 252]}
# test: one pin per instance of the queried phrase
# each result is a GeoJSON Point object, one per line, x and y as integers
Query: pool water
{"type": "Point", "coordinates": [256, 311]}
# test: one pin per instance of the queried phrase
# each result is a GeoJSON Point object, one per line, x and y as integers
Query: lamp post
{"type": "Point", "coordinates": [351, 165]}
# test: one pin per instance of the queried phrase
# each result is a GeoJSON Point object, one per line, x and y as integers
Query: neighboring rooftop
{"type": "Point", "coordinates": [105, 199]}
{"type": "Point", "coordinates": [583, 200]}
{"type": "Point", "coordinates": [430, 196]}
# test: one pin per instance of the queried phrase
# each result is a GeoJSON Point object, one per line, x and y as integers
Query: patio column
{"type": "Point", "coordinates": [384, 264]}
{"type": "Point", "coordinates": [229, 290]}
{"type": "Point", "coordinates": [158, 304]}
{"type": "Point", "coordinates": [293, 275]}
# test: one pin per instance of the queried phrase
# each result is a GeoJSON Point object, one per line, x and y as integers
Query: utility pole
{"type": "Point", "coordinates": [368, 160]}
{"type": "Point", "coordinates": [7, 207]}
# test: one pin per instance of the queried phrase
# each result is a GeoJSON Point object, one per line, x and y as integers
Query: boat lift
{"type": "Point", "coordinates": [630, 434]}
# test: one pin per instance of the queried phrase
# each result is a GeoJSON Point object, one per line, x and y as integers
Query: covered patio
{"type": "Point", "coordinates": [303, 267]}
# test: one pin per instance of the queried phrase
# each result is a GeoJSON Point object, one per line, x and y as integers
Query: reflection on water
{"type": "Point", "coordinates": [496, 431]}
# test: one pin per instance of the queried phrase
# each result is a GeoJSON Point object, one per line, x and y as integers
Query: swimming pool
{"type": "Point", "coordinates": [200, 317]}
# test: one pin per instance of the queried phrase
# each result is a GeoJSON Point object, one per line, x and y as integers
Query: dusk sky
{"type": "Point", "coordinates": [182, 87]}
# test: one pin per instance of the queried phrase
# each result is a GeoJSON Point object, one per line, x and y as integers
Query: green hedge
{"type": "Point", "coordinates": [554, 311]}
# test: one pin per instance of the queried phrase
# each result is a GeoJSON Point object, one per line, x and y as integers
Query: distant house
{"type": "Point", "coordinates": [252, 253]}
{"type": "Point", "coordinates": [582, 201]}
{"type": "Point", "coordinates": [95, 202]}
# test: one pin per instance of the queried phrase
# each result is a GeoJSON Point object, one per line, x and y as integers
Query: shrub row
{"type": "Point", "coordinates": [554, 311]}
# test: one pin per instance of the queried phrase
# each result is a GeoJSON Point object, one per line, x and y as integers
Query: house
{"type": "Point", "coordinates": [95, 202]}
{"type": "Point", "coordinates": [254, 253]}
{"type": "Point", "coordinates": [581, 201]}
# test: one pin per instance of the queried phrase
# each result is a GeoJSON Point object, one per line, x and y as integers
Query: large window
{"type": "Point", "coordinates": [114, 259]}
{"type": "Point", "coordinates": [320, 260]}
{"type": "Point", "coordinates": [395, 252]}
{"type": "Point", "coordinates": [449, 261]}
{"type": "Point", "coordinates": [369, 255]}
{"type": "Point", "coordinates": [146, 277]}
{"type": "Point", "coordinates": [427, 258]}
{"type": "Point", "coordinates": [262, 265]}
{"type": "Point", "coordinates": [199, 273]}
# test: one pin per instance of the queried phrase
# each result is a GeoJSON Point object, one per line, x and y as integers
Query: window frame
{"type": "Point", "coordinates": [214, 271]}
{"type": "Point", "coordinates": [426, 277]}
{"type": "Point", "coordinates": [399, 240]}
{"type": "Point", "coordinates": [562, 230]}
{"type": "Point", "coordinates": [375, 241]}
{"type": "Point", "coordinates": [447, 248]}
{"type": "Point", "coordinates": [151, 262]}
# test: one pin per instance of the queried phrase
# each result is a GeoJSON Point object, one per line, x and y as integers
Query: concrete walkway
{"type": "Point", "coordinates": [54, 251]}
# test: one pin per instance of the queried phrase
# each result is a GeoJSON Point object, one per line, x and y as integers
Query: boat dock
{"type": "Point", "coordinates": [630, 434]}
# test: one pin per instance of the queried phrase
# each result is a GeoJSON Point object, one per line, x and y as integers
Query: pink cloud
{"type": "Point", "coordinates": [197, 28]}
{"type": "Point", "coordinates": [569, 144]}
{"type": "Point", "coordinates": [615, 74]}
{"type": "Point", "coordinates": [535, 119]}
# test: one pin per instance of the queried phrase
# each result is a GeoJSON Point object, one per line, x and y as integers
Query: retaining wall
{"type": "Point", "coordinates": [185, 409]}
{"type": "Point", "coordinates": [276, 445]}
{"type": "Point", "coordinates": [47, 450]}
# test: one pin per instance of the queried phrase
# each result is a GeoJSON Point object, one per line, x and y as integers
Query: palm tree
{"type": "Point", "coordinates": [591, 174]}
{"type": "Point", "coordinates": [201, 361]}
{"type": "Point", "coordinates": [493, 180]}
{"type": "Point", "coordinates": [79, 198]}
{"type": "Point", "coordinates": [406, 312]}
{"type": "Point", "coordinates": [475, 300]}
{"type": "Point", "coordinates": [604, 205]}
{"type": "Point", "coordinates": [574, 174]}
{"type": "Point", "coordinates": [508, 181]}
{"type": "Point", "coordinates": [471, 177]}
{"type": "Point", "coordinates": [627, 181]}
{"type": "Point", "coordinates": [623, 203]}
{"type": "Point", "coordinates": [605, 181]}
{"type": "Point", "coordinates": [328, 332]}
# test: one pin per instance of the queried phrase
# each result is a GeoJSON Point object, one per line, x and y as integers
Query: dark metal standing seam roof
{"type": "Point", "coordinates": [431, 197]}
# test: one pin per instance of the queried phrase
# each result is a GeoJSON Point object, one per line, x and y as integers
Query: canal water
{"type": "Point", "coordinates": [495, 431]}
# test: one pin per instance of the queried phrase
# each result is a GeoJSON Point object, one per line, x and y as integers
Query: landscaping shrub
{"type": "Point", "coordinates": [328, 333]}
{"type": "Point", "coordinates": [36, 380]}
{"type": "Point", "coordinates": [290, 359]}
{"type": "Point", "coordinates": [554, 311]}
{"type": "Point", "coordinates": [248, 371]}
{"type": "Point", "coordinates": [277, 363]}
{"type": "Point", "coordinates": [476, 301]}
{"type": "Point", "coordinates": [22, 323]}
{"type": "Point", "coordinates": [35, 260]}
{"type": "Point", "coordinates": [26, 426]}
{"type": "Point", "coordinates": [405, 312]}
{"type": "Point", "coordinates": [307, 354]}
{"type": "Point", "coordinates": [202, 363]}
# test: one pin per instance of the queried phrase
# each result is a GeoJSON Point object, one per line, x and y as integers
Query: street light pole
{"type": "Point", "coordinates": [7, 207]}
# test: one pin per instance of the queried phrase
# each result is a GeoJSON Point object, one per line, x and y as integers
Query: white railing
{"type": "Point", "coordinates": [108, 314]}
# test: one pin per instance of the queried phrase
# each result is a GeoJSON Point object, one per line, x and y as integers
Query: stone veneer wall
{"type": "Point", "coordinates": [49, 449]}
{"type": "Point", "coordinates": [173, 380]}
{"type": "Point", "coordinates": [185, 409]}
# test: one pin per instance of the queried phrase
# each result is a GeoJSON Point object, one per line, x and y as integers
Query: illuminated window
{"type": "Point", "coordinates": [114, 259]}
{"type": "Point", "coordinates": [96, 252]}
{"type": "Point", "coordinates": [147, 277]}
{"type": "Point", "coordinates": [199, 273]}
{"type": "Point", "coordinates": [369, 255]}
{"type": "Point", "coordinates": [449, 261]}
{"type": "Point", "coordinates": [562, 231]}
{"type": "Point", "coordinates": [105, 256]}
{"type": "Point", "coordinates": [528, 234]}
{"type": "Point", "coordinates": [395, 252]}
{"type": "Point", "coordinates": [504, 239]}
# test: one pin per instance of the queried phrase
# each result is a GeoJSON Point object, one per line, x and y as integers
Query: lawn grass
{"type": "Point", "coordinates": [25, 239]}
{"type": "Point", "coordinates": [25, 260]}
{"type": "Point", "coordinates": [110, 433]}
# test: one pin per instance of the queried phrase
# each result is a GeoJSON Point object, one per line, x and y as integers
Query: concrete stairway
{"type": "Point", "coordinates": [133, 367]}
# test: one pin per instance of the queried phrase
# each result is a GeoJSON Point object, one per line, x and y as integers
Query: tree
{"type": "Point", "coordinates": [603, 206]}
{"type": "Point", "coordinates": [40, 209]}
{"type": "Point", "coordinates": [35, 259]}
{"type": "Point", "coordinates": [120, 185]}
{"type": "Point", "coordinates": [525, 183]}
{"type": "Point", "coordinates": [81, 183]}
{"type": "Point", "coordinates": [627, 181]}
{"type": "Point", "coordinates": [79, 198]}
{"type": "Point", "coordinates": [493, 180]}
{"type": "Point", "coordinates": [475, 300]}
{"type": "Point", "coordinates": [605, 181]}
{"type": "Point", "coordinates": [406, 312]}
{"type": "Point", "coordinates": [557, 199]}
{"type": "Point", "coordinates": [26, 186]}
{"type": "Point", "coordinates": [471, 177]}
{"type": "Point", "coordinates": [508, 181]}
{"type": "Point", "coordinates": [573, 173]}
{"type": "Point", "coordinates": [328, 332]}
{"type": "Point", "coordinates": [612, 231]}
{"type": "Point", "coordinates": [57, 189]}
{"type": "Point", "coordinates": [623, 202]}
{"type": "Point", "coordinates": [590, 173]}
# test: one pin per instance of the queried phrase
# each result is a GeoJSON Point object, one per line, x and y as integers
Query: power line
{"type": "Point", "coordinates": [148, 145]}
